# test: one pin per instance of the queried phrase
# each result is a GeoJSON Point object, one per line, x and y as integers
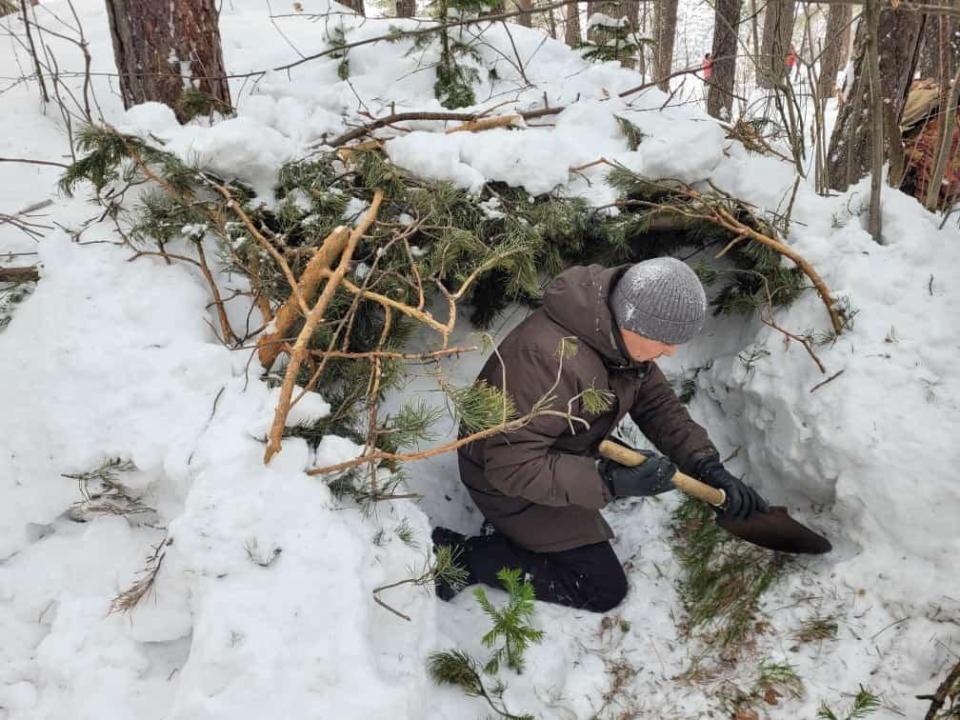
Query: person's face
{"type": "Point", "coordinates": [643, 349]}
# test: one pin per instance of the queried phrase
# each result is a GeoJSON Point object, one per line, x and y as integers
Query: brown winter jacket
{"type": "Point", "coordinates": [539, 485]}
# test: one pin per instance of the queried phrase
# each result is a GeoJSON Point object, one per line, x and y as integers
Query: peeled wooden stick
{"type": "Point", "coordinates": [684, 483]}
{"type": "Point", "coordinates": [313, 318]}
{"type": "Point", "coordinates": [268, 346]}
{"type": "Point", "coordinates": [486, 123]}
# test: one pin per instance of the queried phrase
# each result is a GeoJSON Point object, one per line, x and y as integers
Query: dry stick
{"type": "Point", "coordinates": [313, 317]}
{"type": "Point", "coordinates": [228, 335]}
{"type": "Point", "coordinates": [264, 243]}
{"type": "Point", "coordinates": [373, 392]}
{"type": "Point", "coordinates": [29, 161]}
{"type": "Point", "coordinates": [33, 52]}
{"type": "Point", "coordinates": [485, 124]}
{"type": "Point", "coordinates": [387, 355]}
{"type": "Point", "coordinates": [323, 258]}
{"type": "Point", "coordinates": [731, 223]}
{"type": "Point", "coordinates": [940, 697]}
{"type": "Point", "coordinates": [829, 379]}
{"type": "Point", "coordinates": [408, 457]}
{"type": "Point", "coordinates": [468, 117]}
{"type": "Point", "coordinates": [804, 341]}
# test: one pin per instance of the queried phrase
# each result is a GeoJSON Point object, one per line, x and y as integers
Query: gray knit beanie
{"type": "Point", "coordinates": [661, 299]}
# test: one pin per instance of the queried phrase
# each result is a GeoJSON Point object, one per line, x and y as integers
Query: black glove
{"type": "Point", "coordinates": [652, 477]}
{"type": "Point", "coordinates": [742, 500]}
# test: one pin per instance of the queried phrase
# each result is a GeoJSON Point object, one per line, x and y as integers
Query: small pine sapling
{"type": "Point", "coordinates": [510, 623]}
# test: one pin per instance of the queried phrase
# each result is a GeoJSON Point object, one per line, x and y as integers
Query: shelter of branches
{"type": "Point", "coordinates": [921, 126]}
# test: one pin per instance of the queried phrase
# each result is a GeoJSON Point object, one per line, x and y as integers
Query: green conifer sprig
{"type": "Point", "coordinates": [481, 406]}
{"type": "Point", "coordinates": [511, 622]}
{"type": "Point", "coordinates": [865, 703]}
{"type": "Point", "coordinates": [457, 668]}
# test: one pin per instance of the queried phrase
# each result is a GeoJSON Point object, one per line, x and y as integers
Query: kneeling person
{"type": "Point", "coordinates": [539, 487]}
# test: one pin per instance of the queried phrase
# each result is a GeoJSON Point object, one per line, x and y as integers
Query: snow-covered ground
{"type": "Point", "coordinates": [262, 606]}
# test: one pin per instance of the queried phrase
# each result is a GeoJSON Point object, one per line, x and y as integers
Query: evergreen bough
{"type": "Point", "coordinates": [510, 623]}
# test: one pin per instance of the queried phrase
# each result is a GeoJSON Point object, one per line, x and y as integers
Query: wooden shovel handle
{"type": "Point", "coordinates": [685, 483]}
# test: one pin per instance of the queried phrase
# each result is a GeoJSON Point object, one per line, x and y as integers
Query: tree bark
{"type": "Point", "coordinates": [871, 25]}
{"type": "Point", "coordinates": [664, 34]}
{"type": "Point", "coordinates": [164, 48]}
{"type": "Point", "coordinates": [356, 5]}
{"type": "Point", "coordinates": [525, 19]}
{"type": "Point", "coordinates": [777, 32]}
{"type": "Point", "coordinates": [720, 95]}
{"type": "Point", "coordinates": [836, 42]}
{"type": "Point", "coordinates": [571, 28]}
{"type": "Point", "coordinates": [406, 8]}
{"type": "Point", "coordinates": [850, 145]}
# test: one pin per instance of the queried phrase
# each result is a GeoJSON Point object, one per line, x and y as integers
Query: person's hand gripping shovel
{"type": "Point", "coordinates": [740, 510]}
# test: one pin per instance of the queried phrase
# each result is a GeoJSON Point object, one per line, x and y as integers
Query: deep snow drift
{"type": "Point", "coordinates": [263, 605]}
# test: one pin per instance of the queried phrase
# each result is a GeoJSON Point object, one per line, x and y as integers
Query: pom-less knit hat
{"type": "Point", "coordinates": [661, 299]}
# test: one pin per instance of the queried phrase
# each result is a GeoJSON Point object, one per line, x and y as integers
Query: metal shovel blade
{"type": "Point", "coordinates": [776, 530]}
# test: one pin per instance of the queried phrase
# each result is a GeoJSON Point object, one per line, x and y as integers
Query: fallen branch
{"type": "Point", "coordinates": [19, 274]}
{"type": "Point", "coordinates": [267, 346]}
{"type": "Point", "coordinates": [486, 124]}
{"type": "Point", "coordinates": [829, 379]}
{"type": "Point", "coordinates": [950, 685]}
{"type": "Point", "coordinates": [312, 319]}
{"type": "Point", "coordinates": [387, 355]}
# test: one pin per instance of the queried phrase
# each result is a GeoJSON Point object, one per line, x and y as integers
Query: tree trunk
{"type": "Point", "coordinates": [850, 144]}
{"type": "Point", "coordinates": [526, 6]}
{"type": "Point", "coordinates": [838, 39]}
{"type": "Point", "coordinates": [726, 22]}
{"type": "Point", "coordinates": [571, 27]}
{"type": "Point", "coordinates": [871, 26]}
{"type": "Point", "coordinates": [664, 34]}
{"type": "Point", "coordinates": [355, 5]}
{"type": "Point", "coordinates": [406, 8]}
{"type": "Point", "coordinates": [777, 32]}
{"type": "Point", "coordinates": [165, 48]}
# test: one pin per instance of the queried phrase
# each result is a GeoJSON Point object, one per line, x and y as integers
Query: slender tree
{"type": "Point", "coordinates": [664, 34]}
{"type": "Point", "coordinates": [406, 8]}
{"type": "Point", "coordinates": [836, 47]}
{"type": "Point", "coordinates": [778, 22]}
{"type": "Point", "coordinates": [726, 22]}
{"type": "Point", "coordinates": [850, 154]}
{"type": "Point", "coordinates": [356, 5]}
{"type": "Point", "coordinates": [571, 27]}
{"type": "Point", "coordinates": [165, 48]}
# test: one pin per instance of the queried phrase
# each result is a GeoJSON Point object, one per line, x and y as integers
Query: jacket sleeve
{"type": "Point", "coordinates": [523, 463]}
{"type": "Point", "coordinates": [661, 416]}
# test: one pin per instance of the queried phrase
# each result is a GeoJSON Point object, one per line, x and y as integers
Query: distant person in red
{"type": "Point", "coordinates": [707, 67]}
{"type": "Point", "coordinates": [791, 61]}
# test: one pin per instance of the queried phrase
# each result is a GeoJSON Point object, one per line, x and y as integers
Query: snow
{"type": "Point", "coordinates": [263, 602]}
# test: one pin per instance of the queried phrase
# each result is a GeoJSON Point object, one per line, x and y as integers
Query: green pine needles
{"type": "Point", "coordinates": [481, 406]}
{"type": "Point", "coordinates": [455, 667]}
{"type": "Point", "coordinates": [865, 703]}
{"type": "Point", "coordinates": [511, 625]}
{"type": "Point", "coordinates": [723, 579]}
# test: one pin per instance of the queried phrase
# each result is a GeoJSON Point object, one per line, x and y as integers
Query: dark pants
{"type": "Point", "coordinates": [589, 577]}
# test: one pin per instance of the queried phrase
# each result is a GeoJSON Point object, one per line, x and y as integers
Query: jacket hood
{"type": "Point", "coordinates": [578, 301]}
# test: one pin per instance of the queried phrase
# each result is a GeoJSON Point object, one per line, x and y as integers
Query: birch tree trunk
{"type": "Point", "coordinates": [850, 153]}
{"type": "Point", "coordinates": [720, 95]}
{"type": "Point", "coordinates": [165, 48]}
{"type": "Point", "coordinates": [664, 34]}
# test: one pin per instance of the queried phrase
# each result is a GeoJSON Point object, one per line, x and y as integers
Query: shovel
{"type": "Point", "coordinates": [774, 529]}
